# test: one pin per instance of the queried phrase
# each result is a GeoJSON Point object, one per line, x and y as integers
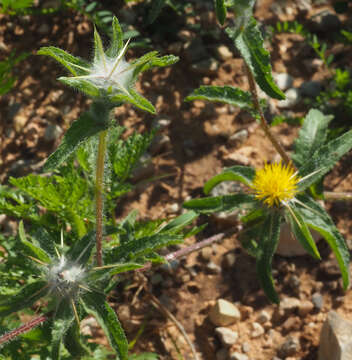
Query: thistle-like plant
{"type": "Point", "coordinates": [284, 191]}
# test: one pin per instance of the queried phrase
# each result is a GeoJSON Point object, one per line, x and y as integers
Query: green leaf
{"type": "Point", "coordinates": [82, 85]}
{"type": "Point", "coordinates": [243, 174]}
{"type": "Point", "coordinates": [224, 94]}
{"type": "Point", "coordinates": [96, 305]}
{"type": "Point", "coordinates": [88, 125]}
{"type": "Point", "coordinates": [318, 219]}
{"type": "Point", "coordinates": [135, 99]}
{"type": "Point", "coordinates": [220, 203]}
{"type": "Point", "coordinates": [142, 246]}
{"type": "Point", "coordinates": [32, 250]}
{"type": "Point", "coordinates": [74, 65]}
{"type": "Point", "coordinates": [25, 298]}
{"type": "Point", "coordinates": [116, 39]}
{"type": "Point", "coordinates": [324, 159]}
{"type": "Point", "coordinates": [157, 6]}
{"type": "Point", "coordinates": [250, 42]}
{"type": "Point", "coordinates": [267, 247]}
{"type": "Point", "coordinates": [179, 222]}
{"type": "Point", "coordinates": [81, 250]}
{"type": "Point", "coordinates": [62, 322]}
{"type": "Point", "coordinates": [220, 11]}
{"type": "Point", "coordinates": [301, 231]}
{"type": "Point", "coordinates": [144, 356]}
{"type": "Point", "coordinates": [99, 55]}
{"type": "Point", "coordinates": [311, 136]}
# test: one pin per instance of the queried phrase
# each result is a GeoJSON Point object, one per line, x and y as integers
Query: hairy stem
{"type": "Point", "coordinates": [263, 122]}
{"type": "Point", "coordinates": [99, 189]}
{"type": "Point", "coordinates": [24, 328]}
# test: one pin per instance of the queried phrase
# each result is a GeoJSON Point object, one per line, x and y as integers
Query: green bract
{"type": "Point", "coordinates": [109, 77]}
{"type": "Point", "coordinates": [313, 159]}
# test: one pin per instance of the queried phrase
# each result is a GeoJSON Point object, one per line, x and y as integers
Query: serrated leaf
{"type": "Point", "coordinates": [135, 99]}
{"type": "Point", "coordinates": [74, 65]}
{"type": "Point", "coordinates": [243, 174]}
{"type": "Point", "coordinates": [267, 247]}
{"type": "Point", "coordinates": [324, 159]}
{"type": "Point", "coordinates": [224, 94]}
{"type": "Point", "coordinates": [142, 246]}
{"type": "Point", "coordinates": [25, 298]}
{"type": "Point", "coordinates": [96, 305]}
{"type": "Point", "coordinates": [301, 231]}
{"type": "Point", "coordinates": [220, 11]}
{"type": "Point", "coordinates": [81, 130]}
{"type": "Point", "coordinates": [311, 136]}
{"type": "Point", "coordinates": [62, 322]}
{"type": "Point", "coordinates": [249, 42]}
{"type": "Point", "coordinates": [220, 203]}
{"type": "Point", "coordinates": [116, 39]}
{"type": "Point", "coordinates": [177, 224]}
{"type": "Point", "coordinates": [80, 84]}
{"type": "Point", "coordinates": [318, 219]}
{"type": "Point", "coordinates": [32, 249]}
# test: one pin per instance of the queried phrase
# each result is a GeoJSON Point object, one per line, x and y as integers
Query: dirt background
{"type": "Point", "coordinates": [191, 149]}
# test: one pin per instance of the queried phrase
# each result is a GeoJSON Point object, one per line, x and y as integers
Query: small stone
{"type": "Point", "coordinates": [258, 330]}
{"type": "Point", "coordinates": [43, 29]}
{"type": "Point", "coordinates": [292, 99]}
{"type": "Point", "coordinates": [326, 21]}
{"type": "Point", "coordinates": [206, 253]}
{"type": "Point", "coordinates": [223, 53]}
{"type": "Point", "coordinates": [335, 338]}
{"type": "Point", "coordinates": [19, 122]}
{"type": "Point", "coordinates": [284, 81]}
{"type": "Point", "coordinates": [162, 123]}
{"type": "Point", "coordinates": [174, 208]}
{"type": "Point", "coordinates": [156, 279]}
{"type": "Point", "coordinates": [212, 268]}
{"type": "Point", "coordinates": [230, 259]}
{"type": "Point", "coordinates": [226, 336]}
{"type": "Point", "coordinates": [221, 354]}
{"type": "Point", "coordinates": [238, 137]}
{"type": "Point", "coordinates": [246, 311]}
{"type": "Point", "coordinates": [263, 317]}
{"type": "Point", "coordinates": [313, 65]}
{"type": "Point", "coordinates": [289, 347]}
{"type": "Point", "coordinates": [290, 324]}
{"type": "Point", "coordinates": [160, 143]}
{"type": "Point", "coordinates": [236, 159]}
{"type": "Point", "coordinates": [52, 133]}
{"type": "Point", "coordinates": [224, 313]}
{"type": "Point", "coordinates": [144, 169]}
{"type": "Point", "coordinates": [184, 35]}
{"type": "Point", "coordinates": [246, 347]}
{"type": "Point", "coordinates": [238, 356]}
{"type": "Point", "coordinates": [289, 305]}
{"type": "Point", "coordinates": [305, 308]}
{"type": "Point", "coordinates": [310, 88]}
{"type": "Point", "coordinates": [206, 67]}
{"type": "Point", "coordinates": [318, 300]}
{"type": "Point", "coordinates": [294, 282]}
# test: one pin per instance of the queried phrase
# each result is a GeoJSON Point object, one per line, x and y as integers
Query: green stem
{"type": "Point", "coordinates": [278, 147]}
{"type": "Point", "coordinates": [337, 196]}
{"type": "Point", "coordinates": [99, 188]}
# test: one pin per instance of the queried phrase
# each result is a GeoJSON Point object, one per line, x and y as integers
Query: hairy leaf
{"type": "Point", "coordinates": [311, 136]}
{"type": "Point", "coordinates": [157, 6]}
{"type": "Point", "coordinates": [96, 305]}
{"type": "Point", "coordinates": [224, 94]}
{"type": "Point", "coordinates": [249, 42]}
{"type": "Point", "coordinates": [116, 39]}
{"type": "Point", "coordinates": [243, 174]}
{"type": "Point", "coordinates": [179, 222]}
{"type": "Point", "coordinates": [220, 203]}
{"type": "Point", "coordinates": [324, 159]}
{"type": "Point", "coordinates": [267, 247]}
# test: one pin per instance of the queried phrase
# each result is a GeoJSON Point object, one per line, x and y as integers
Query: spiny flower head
{"type": "Point", "coordinates": [275, 184]}
{"type": "Point", "coordinates": [109, 77]}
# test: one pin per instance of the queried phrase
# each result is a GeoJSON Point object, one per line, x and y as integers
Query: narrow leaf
{"type": "Point", "coordinates": [67, 60]}
{"type": "Point", "coordinates": [220, 11]}
{"type": "Point", "coordinates": [224, 94]}
{"type": "Point", "coordinates": [301, 231]}
{"type": "Point", "coordinates": [317, 218]}
{"type": "Point", "coordinates": [243, 174]}
{"type": "Point", "coordinates": [81, 130]}
{"type": "Point", "coordinates": [180, 222]}
{"type": "Point", "coordinates": [220, 203]}
{"type": "Point", "coordinates": [157, 6]}
{"type": "Point", "coordinates": [134, 98]}
{"type": "Point", "coordinates": [96, 305]}
{"type": "Point", "coordinates": [311, 136]}
{"type": "Point", "coordinates": [265, 253]}
{"type": "Point", "coordinates": [25, 298]}
{"type": "Point", "coordinates": [249, 42]}
{"type": "Point", "coordinates": [82, 85]}
{"type": "Point", "coordinates": [116, 39]}
{"type": "Point", "coordinates": [62, 322]}
{"type": "Point", "coordinates": [324, 159]}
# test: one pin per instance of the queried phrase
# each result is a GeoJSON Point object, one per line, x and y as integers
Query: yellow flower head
{"type": "Point", "coordinates": [275, 184]}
